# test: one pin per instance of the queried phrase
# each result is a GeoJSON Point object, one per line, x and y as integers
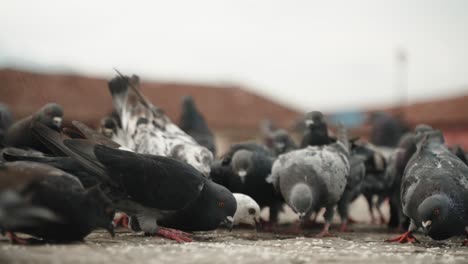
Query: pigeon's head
{"type": "Point", "coordinates": [101, 211]}
{"type": "Point", "coordinates": [281, 141]}
{"type": "Point", "coordinates": [248, 211]}
{"type": "Point", "coordinates": [314, 119]}
{"type": "Point", "coordinates": [50, 115]}
{"type": "Point", "coordinates": [225, 206]}
{"type": "Point", "coordinates": [433, 213]}
{"type": "Point", "coordinates": [188, 103]}
{"type": "Point", "coordinates": [301, 199]}
{"type": "Point", "coordinates": [108, 126]}
{"type": "Point", "coordinates": [242, 163]}
{"type": "Point", "coordinates": [197, 156]}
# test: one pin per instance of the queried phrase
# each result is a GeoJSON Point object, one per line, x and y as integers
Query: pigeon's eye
{"type": "Point", "coordinates": [221, 204]}
{"type": "Point", "coordinates": [436, 212]}
{"type": "Point", "coordinates": [251, 211]}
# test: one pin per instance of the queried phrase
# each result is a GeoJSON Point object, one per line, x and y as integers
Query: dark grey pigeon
{"type": "Point", "coordinates": [434, 191]}
{"type": "Point", "coordinates": [386, 129]}
{"type": "Point", "coordinates": [193, 123]}
{"type": "Point", "coordinates": [316, 133]}
{"type": "Point", "coordinates": [376, 181]}
{"type": "Point", "coordinates": [353, 187]}
{"type": "Point", "coordinates": [19, 134]}
{"type": "Point", "coordinates": [280, 142]}
{"type": "Point", "coordinates": [246, 168]}
{"type": "Point", "coordinates": [151, 189]}
{"type": "Point", "coordinates": [76, 212]}
{"type": "Point", "coordinates": [146, 129]}
{"type": "Point", "coordinates": [313, 178]}
{"type": "Point", "coordinates": [6, 119]}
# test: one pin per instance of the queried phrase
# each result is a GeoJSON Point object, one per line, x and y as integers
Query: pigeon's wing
{"type": "Point", "coordinates": [146, 129]}
{"type": "Point", "coordinates": [153, 181]}
{"type": "Point", "coordinates": [55, 142]}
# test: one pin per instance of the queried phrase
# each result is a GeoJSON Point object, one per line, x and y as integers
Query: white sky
{"type": "Point", "coordinates": [326, 55]}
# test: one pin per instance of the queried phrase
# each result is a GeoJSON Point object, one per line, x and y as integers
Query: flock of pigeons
{"type": "Point", "coordinates": [141, 171]}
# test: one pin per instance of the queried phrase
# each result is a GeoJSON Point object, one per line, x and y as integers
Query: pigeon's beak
{"type": "Point", "coordinates": [228, 222]}
{"type": "Point", "coordinates": [242, 174]}
{"type": "Point", "coordinates": [57, 121]}
{"type": "Point", "coordinates": [301, 216]}
{"type": "Point", "coordinates": [426, 226]}
{"type": "Point", "coordinates": [309, 122]}
{"type": "Point", "coordinates": [280, 145]}
{"type": "Point", "coordinates": [110, 229]}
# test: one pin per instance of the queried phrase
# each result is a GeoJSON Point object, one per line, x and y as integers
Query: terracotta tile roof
{"type": "Point", "coordinates": [88, 99]}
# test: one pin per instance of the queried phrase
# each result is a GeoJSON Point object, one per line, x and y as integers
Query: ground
{"type": "Point", "coordinates": [364, 245]}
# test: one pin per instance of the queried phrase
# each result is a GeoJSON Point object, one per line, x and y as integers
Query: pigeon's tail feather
{"type": "Point", "coordinates": [118, 87]}
{"type": "Point", "coordinates": [51, 139]}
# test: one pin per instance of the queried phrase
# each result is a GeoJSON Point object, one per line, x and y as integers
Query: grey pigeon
{"type": "Point", "coordinates": [69, 211]}
{"type": "Point", "coordinates": [434, 191]}
{"type": "Point", "coordinates": [6, 119]}
{"type": "Point", "coordinates": [19, 134]}
{"type": "Point", "coordinates": [146, 129]}
{"type": "Point", "coordinates": [193, 123]}
{"type": "Point", "coordinates": [313, 178]}
{"type": "Point", "coordinates": [353, 187]}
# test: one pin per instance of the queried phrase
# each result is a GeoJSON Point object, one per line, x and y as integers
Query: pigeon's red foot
{"type": "Point", "coordinates": [324, 233]}
{"type": "Point", "coordinates": [121, 220]}
{"type": "Point", "coordinates": [405, 238]}
{"type": "Point", "coordinates": [352, 221]}
{"type": "Point", "coordinates": [344, 228]}
{"type": "Point", "coordinates": [174, 234]}
{"type": "Point", "coordinates": [15, 239]}
{"type": "Point", "coordinates": [268, 226]}
{"type": "Point", "coordinates": [465, 243]}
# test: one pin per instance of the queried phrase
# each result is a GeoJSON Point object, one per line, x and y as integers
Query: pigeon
{"type": "Point", "coordinates": [19, 134]}
{"type": "Point", "coordinates": [316, 133]}
{"type": "Point", "coordinates": [314, 177]}
{"type": "Point", "coordinates": [280, 142]}
{"type": "Point", "coordinates": [250, 165]}
{"type": "Point", "coordinates": [193, 123]}
{"type": "Point", "coordinates": [434, 191]}
{"type": "Point", "coordinates": [6, 119]}
{"type": "Point", "coordinates": [375, 182]}
{"type": "Point", "coordinates": [353, 187]}
{"type": "Point", "coordinates": [154, 190]}
{"type": "Point", "coordinates": [108, 126]}
{"type": "Point", "coordinates": [386, 130]}
{"type": "Point", "coordinates": [71, 212]}
{"type": "Point", "coordinates": [146, 129]}
{"type": "Point", "coordinates": [248, 211]}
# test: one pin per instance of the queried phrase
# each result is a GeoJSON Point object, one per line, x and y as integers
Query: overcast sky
{"type": "Point", "coordinates": [328, 55]}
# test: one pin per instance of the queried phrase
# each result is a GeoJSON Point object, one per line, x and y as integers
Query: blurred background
{"type": "Point", "coordinates": [370, 64]}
